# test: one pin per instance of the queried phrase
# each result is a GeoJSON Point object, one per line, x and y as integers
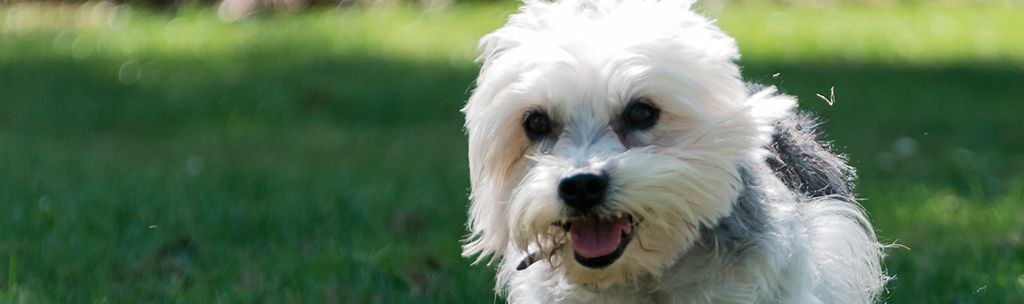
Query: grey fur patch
{"type": "Point", "coordinates": [806, 164]}
{"type": "Point", "coordinates": [748, 219]}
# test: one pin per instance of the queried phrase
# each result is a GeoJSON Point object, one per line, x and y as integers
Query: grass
{"type": "Point", "coordinates": [156, 157]}
{"type": "Point", "coordinates": [897, 33]}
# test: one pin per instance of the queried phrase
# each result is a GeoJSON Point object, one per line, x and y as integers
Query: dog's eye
{"type": "Point", "coordinates": [640, 115]}
{"type": "Point", "coordinates": [537, 125]}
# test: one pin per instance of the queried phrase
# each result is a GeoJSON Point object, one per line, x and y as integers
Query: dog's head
{"type": "Point", "coordinates": [603, 134]}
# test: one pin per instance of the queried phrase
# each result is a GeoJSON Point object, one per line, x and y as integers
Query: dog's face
{"type": "Point", "coordinates": [603, 138]}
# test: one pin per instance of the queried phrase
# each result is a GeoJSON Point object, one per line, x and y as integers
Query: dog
{"type": "Point", "coordinates": [616, 156]}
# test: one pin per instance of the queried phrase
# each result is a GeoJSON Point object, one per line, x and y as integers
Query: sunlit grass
{"type": "Point", "coordinates": [956, 248]}
{"type": "Point", "coordinates": [31, 30]}
{"type": "Point", "coordinates": [912, 32]}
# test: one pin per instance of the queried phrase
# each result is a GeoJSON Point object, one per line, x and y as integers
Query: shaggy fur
{"type": "Point", "coordinates": [731, 196]}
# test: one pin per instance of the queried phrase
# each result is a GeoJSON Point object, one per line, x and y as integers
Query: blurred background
{"type": "Point", "coordinates": [312, 150]}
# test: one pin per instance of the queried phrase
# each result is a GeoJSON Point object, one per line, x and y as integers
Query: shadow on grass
{"type": "Point", "coordinates": [345, 179]}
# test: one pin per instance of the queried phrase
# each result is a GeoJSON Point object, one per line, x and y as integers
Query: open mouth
{"type": "Point", "coordinates": [598, 242]}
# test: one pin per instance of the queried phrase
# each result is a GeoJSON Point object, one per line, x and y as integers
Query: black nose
{"type": "Point", "coordinates": [582, 191]}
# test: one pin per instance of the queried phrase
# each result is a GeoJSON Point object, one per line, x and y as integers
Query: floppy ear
{"type": "Point", "coordinates": [496, 161]}
{"type": "Point", "coordinates": [496, 148]}
{"type": "Point", "coordinates": [767, 106]}
{"type": "Point", "coordinates": [496, 141]}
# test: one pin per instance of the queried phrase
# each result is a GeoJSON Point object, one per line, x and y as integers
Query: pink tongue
{"type": "Point", "coordinates": [592, 237]}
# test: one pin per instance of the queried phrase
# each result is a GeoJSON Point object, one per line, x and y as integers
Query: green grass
{"type": "Point", "coordinates": [319, 157]}
{"type": "Point", "coordinates": [896, 33]}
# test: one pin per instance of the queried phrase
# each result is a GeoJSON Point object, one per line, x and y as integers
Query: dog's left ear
{"type": "Point", "coordinates": [767, 106]}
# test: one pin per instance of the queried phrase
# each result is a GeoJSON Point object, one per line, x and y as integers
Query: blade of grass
{"type": "Point", "coordinates": [12, 273]}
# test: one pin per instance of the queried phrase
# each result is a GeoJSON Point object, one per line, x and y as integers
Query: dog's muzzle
{"type": "Point", "coordinates": [598, 240]}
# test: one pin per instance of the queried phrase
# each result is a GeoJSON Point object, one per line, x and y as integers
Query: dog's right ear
{"type": "Point", "coordinates": [488, 234]}
{"type": "Point", "coordinates": [496, 162]}
{"type": "Point", "coordinates": [496, 140]}
{"type": "Point", "coordinates": [497, 145]}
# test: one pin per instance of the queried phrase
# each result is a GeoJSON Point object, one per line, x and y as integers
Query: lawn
{"type": "Point", "coordinates": [155, 156]}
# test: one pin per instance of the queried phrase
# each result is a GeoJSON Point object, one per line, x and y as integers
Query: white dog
{"type": "Point", "coordinates": [616, 156]}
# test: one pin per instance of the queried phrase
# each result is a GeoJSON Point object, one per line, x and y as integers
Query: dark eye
{"type": "Point", "coordinates": [640, 115]}
{"type": "Point", "coordinates": [537, 125]}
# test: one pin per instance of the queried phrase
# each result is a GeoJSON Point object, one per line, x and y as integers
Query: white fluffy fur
{"type": "Point", "coordinates": [581, 61]}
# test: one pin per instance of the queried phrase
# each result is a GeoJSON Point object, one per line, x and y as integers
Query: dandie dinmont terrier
{"type": "Point", "coordinates": [616, 156]}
